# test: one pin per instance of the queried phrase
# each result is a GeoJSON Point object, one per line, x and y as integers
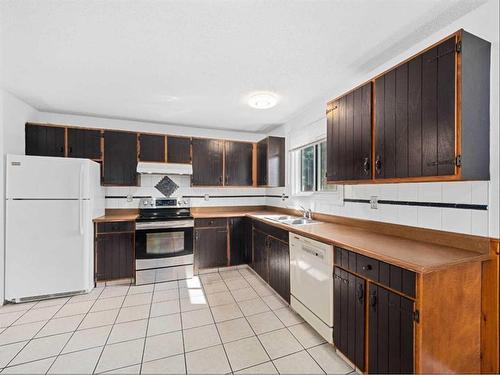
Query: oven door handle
{"type": "Point", "coordinates": [173, 224]}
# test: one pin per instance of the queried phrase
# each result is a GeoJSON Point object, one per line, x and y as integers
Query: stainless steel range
{"type": "Point", "coordinates": [163, 240]}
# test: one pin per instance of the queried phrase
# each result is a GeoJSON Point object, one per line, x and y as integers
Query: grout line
{"type": "Point", "coordinates": [182, 331]}
{"type": "Point", "coordinates": [147, 326]}
{"type": "Point", "coordinates": [257, 336]}
{"type": "Point", "coordinates": [72, 334]}
{"type": "Point", "coordinates": [109, 334]}
{"type": "Point", "coordinates": [33, 337]}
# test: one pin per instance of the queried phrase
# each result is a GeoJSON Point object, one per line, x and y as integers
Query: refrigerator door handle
{"type": "Point", "coordinates": [80, 200]}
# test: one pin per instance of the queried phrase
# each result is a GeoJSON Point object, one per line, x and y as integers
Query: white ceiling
{"type": "Point", "coordinates": [195, 62]}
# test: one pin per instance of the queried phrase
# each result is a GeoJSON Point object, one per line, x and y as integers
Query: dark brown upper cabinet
{"type": "Point", "coordinates": [151, 148]}
{"type": "Point", "coordinates": [120, 158]}
{"type": "Point", "coordinates": [238, 163]}
{"type": "Point", "coordinates": [432, 114]}
{"type": "Point", "coordinates": [84, 143]}
{"type": "Point", "coordinates": [349, 136]}
{"type": "Point", "coordinates": [208, 163]}
{"type": "Point", "coordinates": [271, 162]}
{"type": "Point", "coordinates": [178, 149]}
{"type": "Point", "coordinates": [41, 140]}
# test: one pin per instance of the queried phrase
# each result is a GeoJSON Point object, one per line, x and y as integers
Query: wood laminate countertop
{"type": "Point", "coordinates": [114, 217]}
{"type": "Point", "coordinates": [418, 256]}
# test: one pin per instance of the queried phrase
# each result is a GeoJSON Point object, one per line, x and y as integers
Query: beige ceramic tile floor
{"type": "Point", "coordinates": [217, 323]}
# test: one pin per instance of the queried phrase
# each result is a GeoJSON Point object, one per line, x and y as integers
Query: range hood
{"type": "Point", "coordinates": [164, 168]}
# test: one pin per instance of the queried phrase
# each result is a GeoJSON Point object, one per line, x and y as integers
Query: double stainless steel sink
{"type": "Point", "coordinates": [291, 220]}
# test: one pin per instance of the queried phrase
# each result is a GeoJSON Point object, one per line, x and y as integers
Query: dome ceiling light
{"type": "Point", "coordinates": [263, 100]}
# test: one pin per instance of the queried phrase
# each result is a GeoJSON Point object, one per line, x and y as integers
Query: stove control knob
{"type": "Point", "coordinates": [145, 203]}
{"type": "Point", "coordinates": [185, 201]}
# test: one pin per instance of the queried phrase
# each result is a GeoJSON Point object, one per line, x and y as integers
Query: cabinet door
{"type": "Point", "coordinates": [44, 140]}
{"type": "Point", "coordinates": [210, 247]}
{"type": "Point", "coordinates": [349, 316]}
{"type": "Point", "coordinates": [207, 162]}
{"type": "Point", "coordinates": [178, 149]}
{"type": "Point", "coordinates": [240, 240]}
{"type": "Point", "coordinates": [84, 143]}
{"type": "Point", "coordinates": [349, 136]}
{"type": "Point", "coordinates": [120, 158]}
{"type": "Point", "coordinates": [390, 332]}
{"type": "Point", "coordinates": [259, 256]}
{"type": "Point", "coordinates": [279, 267]}
{"type": "Point", "coordinates": [415, 116]}
{"type": "Point", "coordinates": [114, 256]}
{"type": "Point", "coordinates": [238, 163]}
{"type": "Point", "coordinates": [262, 162]}
{"type": "Point", "coordinates": [276, 162]}
{"type": "Point", "coordinates": [151, 148]}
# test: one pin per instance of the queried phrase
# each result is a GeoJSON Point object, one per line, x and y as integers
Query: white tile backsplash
{"type": "Point", "coordinates": [456, 220]}
{"type": "Point", "coordinates": [429, 217]}
{"type": "Point", "coordinates": [479, 192]}
{"type": "Point", "coordinates": [457, 192]}
{"type": "Point", "coordinates": [479, 223]}
{"type": "Point", "coordinates": [430, 192]}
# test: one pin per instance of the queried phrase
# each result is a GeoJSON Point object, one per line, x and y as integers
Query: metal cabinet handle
{"type": "Point", "coordinates": [373, 299]}
{"type": "Point", "coordinates": [360, 293]}
{"type": "Point", "coordinates": [220, 180]}
{"type": "Point", "coordinates": [378, 164]}
{"type": "Point", "coordinates": [366, 164]}
{"type": "Point", "coordinates": [368, 267]}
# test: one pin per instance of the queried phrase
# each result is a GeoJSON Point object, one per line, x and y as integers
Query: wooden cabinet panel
{"type": "Point", "coordinates": [271, 162]}
{"type": "Point", "coordinates": [43, 140]}
{"type": "Point", "coordinates": [349, 136]}
{"type": "Point", "coordinates": [390, 332]}
{"type": "Point", "coordinates": [84, 143]}
{"type": "Point", "coordinates": [238, 163]}
{"type": "Point", "coordinates": [151, 148]}
{"type": "Point", "coordinates": [349, 316]}
{"type": "Point", "coordinates": [120, 158]}
{"type": "Point", "coordinates": [114, 256]}
{"type": "Point", "coordinates": [210, 247]}
{"type": "Point", "coordinates": [262, 162]}
{"type": "Point", "coordinates": [259, 254]}
{"type": "Point", "coordinates": [240, 240]}
{"type": "Point", "coordinates": [178, 149]}
{"type": "Point", "coordinates": [207, 162]}
{"type": "Point", "coordinates": [279, 267]}
{"type": "Point", "coordinates": [415, 116]}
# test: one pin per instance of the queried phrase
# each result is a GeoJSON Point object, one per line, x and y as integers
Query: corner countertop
{"type": "Point", "coordinates": [417, 256]}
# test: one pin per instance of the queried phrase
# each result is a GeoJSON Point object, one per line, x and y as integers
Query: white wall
{"type": "Point", "coordinates": [14, 113]}
{"type": "Point", "coordinates": [483, 22]}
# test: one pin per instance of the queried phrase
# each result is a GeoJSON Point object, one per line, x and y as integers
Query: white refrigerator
{"type": "Point", "coordinates": [49, 247]}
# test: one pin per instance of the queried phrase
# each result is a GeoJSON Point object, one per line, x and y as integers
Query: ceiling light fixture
{"type": "Point", "coordinates": [263, 100]}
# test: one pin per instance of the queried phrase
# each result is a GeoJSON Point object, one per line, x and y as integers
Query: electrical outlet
{"type": "Point", "coordinates": [373, 202]}
{"type": "Point", "coordinates": [130, 198]}
{"type": "Point", "coordinates": [207, 197]}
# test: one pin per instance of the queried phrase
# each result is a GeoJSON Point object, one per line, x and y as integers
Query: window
{"type": "Point", "coordinates": [312, 168]}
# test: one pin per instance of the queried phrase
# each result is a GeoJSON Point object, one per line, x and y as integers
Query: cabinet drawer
{"type": "Point", "coordinates": [367, 267]}
{"type": "Point", "coordinates": [271, 230]}
{"type": "Point", "coordinates": [210, 222]}
{"type": "Point", "coordinates": [345, 258]}
{"type": "Point", "coordinates": [116, 226]}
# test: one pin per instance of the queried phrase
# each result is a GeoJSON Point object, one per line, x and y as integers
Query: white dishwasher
{"type": "Point", "coordinates": [311, 283]}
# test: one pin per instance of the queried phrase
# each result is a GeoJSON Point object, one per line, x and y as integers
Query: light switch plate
{"type": "Point", "coordinates": [373, 202]}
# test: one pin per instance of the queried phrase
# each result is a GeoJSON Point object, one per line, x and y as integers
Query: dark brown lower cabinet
{"type": "Point", "coordinates": [210, 247]}
{"type": "Point", "coordinates": [390, 327]}
{"type": "Point", "coordinates": [279, 267]}
{"type": "Point", "coordinates": [114, 256]}
{"type": "Point", "coordinates": [259, 258]}
{"type": "Point", "coordinates": [240, 240]}
{"type": "Point", "coordinates": [349, 316]}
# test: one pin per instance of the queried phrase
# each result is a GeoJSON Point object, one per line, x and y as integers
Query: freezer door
{"type": "Point", "coordinates": [47, 248]}
{"type": "Point", "coordinates": [39, 177]}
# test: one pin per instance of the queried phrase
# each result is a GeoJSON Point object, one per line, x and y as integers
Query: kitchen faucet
{"type": "Point", "coordinates": [306, 213]}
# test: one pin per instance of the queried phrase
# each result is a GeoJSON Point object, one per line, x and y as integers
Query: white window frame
{"type": "Point", "coordinates": [335, 195]}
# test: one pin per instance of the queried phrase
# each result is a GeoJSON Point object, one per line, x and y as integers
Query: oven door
{"type": "Point", "coordinates": [163, 247]}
